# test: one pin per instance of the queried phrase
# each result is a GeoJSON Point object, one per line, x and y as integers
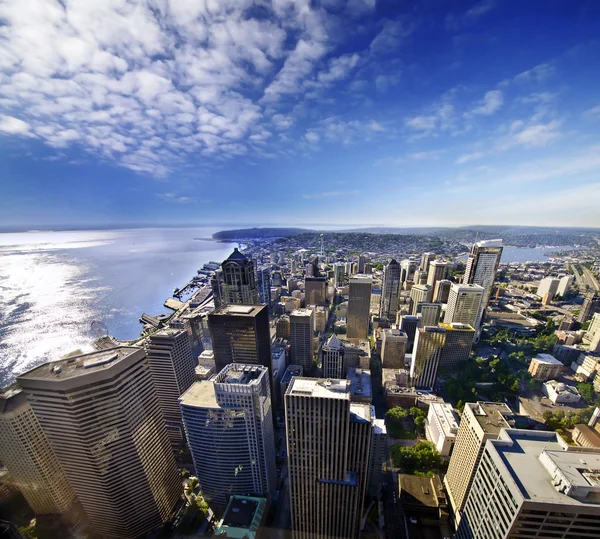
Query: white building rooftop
{"type": "Point", "coordinates": [327, 388]}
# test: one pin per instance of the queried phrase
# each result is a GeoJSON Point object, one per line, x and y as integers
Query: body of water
{"type": "Point", "coordinates": [54, 285]}
{"type": "Point", "coordinates": [531, 254]}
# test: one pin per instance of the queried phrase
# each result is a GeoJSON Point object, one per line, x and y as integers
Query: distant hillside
{"type": "Point", "coordinates": [258, 233]}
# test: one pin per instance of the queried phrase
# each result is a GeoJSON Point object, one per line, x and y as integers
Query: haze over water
{"type": "Point", "coordinates": [54, 285]}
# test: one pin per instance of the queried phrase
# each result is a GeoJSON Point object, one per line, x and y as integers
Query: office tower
{"type": "Point", "coordinates": [548, 288]}
{"type": "Point", "coordinates": [173, 371]}
{"type": "Point", "coordinates": [420, 277]}
{"type": "Point", "coordinates": [102, 417]}
{"type": "Point", "coordinates": [430, 312]}
{"type": "Point", "coordinates": [362, 261]}
{"type": "Point", "coordinates": [359, 306]}
{"type": "Point", "coordinates": [312, 267]}
{"type": "Point", "coordinates": [464, 304]}
{"type": "Point", "coordinates": [545, 367]}
{"type": "Point", "coordinates": [564, 285]}
{"type": "Point", "coordinates": [393, 348]}
{"type": "Point", "coordinates": [368, 268]}
{"type": "Point", "coordinates": [301, 334]}
{"type": "Point", "coordinates": [239, 280]}
{"type": "Point", "coordinates": [216, 284]}
{"type": "Point", "coordinates": [390, 291]}
{"type": "Point", "coordinates": [438, 271]}
{"type": "Point", "coordinates": [426, 259]}
{"type": "Point", "coordinates": [332, 358]}
{"type": "Point", "coordinates": [240, 334]}
{"type": "Point", "coordinates": [407, 269]}
{"type": "Point", "coordinates": [441, 291]}
{"type": "Point", "coordinates": [481, 269]}
{"type": "Point", "coordinates": [426, 357]}
{"type": "Point", "coordinates": [480, 422]}
{"type": "Point", "coordinates": [377, 456]}
{"type": "Point", "coordinates": [420, 293]}
{"type": "Point", "coordinates": [263, 283]}
{"type": "Point", "coordinates": [591, 305]}
{"type": "Point", "coordinates": [28, 456]}
{"type": "Point", "coordinates": [532, 484]}
{"type": "Point", "coordinates": [229, 427]}
{"type": "Point", "coordinates": [315, 290]}
{"type": "Point", "coordinates": [277, 279]}
{"type": "Point", "coordinates": [338, 274]}
{"type": "Point", "coordinates": [328, 440]}
{"type": "Point", "coordinates": [457, 348]}
{"type": "Point", "coordinates": [409, 325]}
{"type": "Point", "coordinates": [282, 329]}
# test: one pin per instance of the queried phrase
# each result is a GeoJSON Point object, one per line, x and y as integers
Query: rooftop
{"type": "Point", "coordinates": [324, 388]}
{"type": "Point", "coordinates": [361, 413]}
{"type": "Point", "coordinates": [491, 416]}
{"type": "Point", "coordinates": [79, 365]}
{"type": "Point", "coordinates": [360, 382]}
{"type": "Point", "coordinates": [290, 372]}
{"type": "Point", "coordinates": [11, 398]}
{"type": "Point", "coordinates": [301, 312]}
{"type": "Point", "coordinates": [361, 278]}
{"type": "Point", "coordinates": [242, 518]}
{"type": "Point", "coordinates": [237, 256]}
{"type": "Point", "coordinates": [239, 310]}
{"type": "Point", "coordinates": [454, 326]}
{"type": "Point", "coordinates": [420, 490]}
{"type": "Point", "coordinates": [379, 426]}
{"type": "Point", "coordinates": [446, 416]}
{"type": "Point", "coordinates": [545, 471]}
{"type": "Point", "coordinates": [548, 359]}
{"type": "Point", "coordinates": [240, 374]}
{"type": "Point", "coordinates": [201, 394]}
{"type": "Point", "coordinates": [489, 243]}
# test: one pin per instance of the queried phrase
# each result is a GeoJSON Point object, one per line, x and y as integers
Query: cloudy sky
{"type": "Point", "coordinates": [383, 112]}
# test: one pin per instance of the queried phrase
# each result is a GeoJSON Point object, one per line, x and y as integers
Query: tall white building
{"type": "Point", "coordinates": [481, 269]}
{"type": "Point", "coordinates": [430, 312]}
{"type": "Point", "coordinates": [464, 304]}
{"type": "Point", "coordinates": [533, 484]}
{"type": "Point", "coordinates": [438, 270]}
{"type": "Point", "coordinates": [301, 338]}
{"type": "Point", "coordinates": [564, 285]}
{"type": "Point", "coordinates": [442, 427]}
{"type": "Point", "coordinates": [390, 291]}
{"type": "Point", "coordinates": [420, 293]}
{"type": "Point", "coordinates": [229, 427]}
{"type": "Point", "coordinates": [173, 372]}
{"type": "Point", "coordinates": [547, 288]}
{"type": "Point", "coordinates": [359, 306]}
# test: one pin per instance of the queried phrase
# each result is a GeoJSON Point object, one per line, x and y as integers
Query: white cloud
{"type": "Point", "coordinates": [427, 155]}
{"type": "Point", "coordinates": [533, 135]}
{"type": "Point", "coordinates": [456, 22]}
{"type": "Point", "coordinates": [14, 126]}
{"type": "Point", "coordinates": [146, 83]}
{"type": "Point", "coordinates": [312, 137]}
{"type": "Point", "coordinates": [391, 36]}
{"type": "Point", "coordinates": [539, 73]}
{"type": "Point", "coordinates": [422, 123]}
{"type": "Point", "coordinates": [593, 113]}
{"type": "Point", "coordinates": [492, 102]}
{"type": "Point", "coordinates": [178, 199]}
{"type": "Point", "coordinates": [328, 194]}
{"type": "Point", "coordinates": [468, 157]}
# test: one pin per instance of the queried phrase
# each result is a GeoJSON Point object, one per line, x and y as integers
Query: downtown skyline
{"type": "Point", "coordinates": [334, 112]}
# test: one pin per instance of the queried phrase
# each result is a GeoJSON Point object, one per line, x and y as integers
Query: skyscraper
{"type": "Point", "coordinates": [359, 306]}
{"type": "Point", "coordinates": [173, 371]}
{"type": "Point", "coordinates": [437, 272]}
{"type": "Point", "coordinates": [591, 305]}
{"type": "Point", "coordinates": [302, 325]}
{"type": "Point", "coordinates": [239, 280]}
{"type": "Point", "coordinates": [481, 269]}
{"type": "Point", "coordinates": [332, 358]}
{"type": "Point", "coordinates": [229, 426]}
{"type": "Point", "coordinates": [102, 417]}
{"type": "Point", "coordinates": [315, 290]}
{"type": "Point", "coordinates": [338, 274]}
{"type": "Point", "coordinates": [430, 312]}
{"type": "Point", "coordinates": [426, 357]}
{"type": "Point", "coordinates": [464, 304]}
{"type": "Point", "coordinates": [407, 269]}
{"type": "Point", "coordinates": [263, 283]}
{"type": "Point", "coordinates": [393, 348]}
{"type": "Point", "coordinates": [532, 484]}
{"type": "Point", "coordinates": [441, 291]}
{"type": "Point", "coordinates": [480, 422]}
{"type": "Point", "coordinates": [457, 348]}
{"type": "Point", "coordinates": [409, 325]}
{"type": "Point", "coordinates": [426, 259]}
{"type": "Point", "coordinates": [420, 293]}
{"type": "Point", "coordinates": [282, 329]}
{"type": "Point", "coordinates": [328, 440]}
{"type": "Point", "coordinates": [362, 260]}
{"type": "Point", "coordinates": [28, 456]}
{"type": "Point", "coordinates": [240, 334]}
{"type": "Point", "coordinates": [390, 290]}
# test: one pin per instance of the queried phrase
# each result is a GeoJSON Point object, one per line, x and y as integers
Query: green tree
{"type": "Point", "coordinates": [588, 393]}
{"type": "Point", "coordinates": [423, 457]}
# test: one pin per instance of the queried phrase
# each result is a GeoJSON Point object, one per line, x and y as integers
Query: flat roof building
{"type": "Point", "coordinates": [393, 348]}
{"type": "Point", "coordinates": [442, 427]}
{"type": "Point", "coordinates": [426, 357]}
{"type": "Point", "coordinates": [458, 344]}
{"type": "Point", "coordinates": [545, 367]}
{"type": "Point", "coordinates": [359, 306]}
{"type": "Point", "coordinates": [102, 416]}
{"type": "Point", "coordinates": [560, 393]}
{"type": "Point", "coordinates": [243, 518]}
{"type": "Point", "coordinates": [302, 323]}
{"type": "Point", "coordinates": [531, 483]}
{"type": "Point", "coordinates": [360, 385]}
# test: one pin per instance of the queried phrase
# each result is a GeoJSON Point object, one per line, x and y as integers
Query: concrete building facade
{"type": "Point", "coordinates": [101, 414]}
{"type": "Point", "coordinates": [426, 356]}
{"type": "Point", "coordinates": [390, 291]}
{"type": "Point", "coordinates": [457, 348]}
{"type": "Point", "coordinates": [359, 306]}
{"type": "Point", "coordinates": [545, 367]}
{"type": "Point", "coordinates": [301, 338]}
{"type": "Point", "coordinates": [442, 427]}
{"type": "Point", "coordinates": [393, 348]}
{"type": "Point", "coordinates": [464, 304]}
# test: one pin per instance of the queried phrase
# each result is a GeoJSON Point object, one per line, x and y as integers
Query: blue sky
{"type": "Point", "coordinates": [338, 112]}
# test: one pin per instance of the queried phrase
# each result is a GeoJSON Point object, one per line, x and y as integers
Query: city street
{"type": "Point", "coordinates": [394, 519]}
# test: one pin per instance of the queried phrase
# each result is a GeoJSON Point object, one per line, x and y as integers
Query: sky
{"type": "Point", "coordinates": [331, 112]}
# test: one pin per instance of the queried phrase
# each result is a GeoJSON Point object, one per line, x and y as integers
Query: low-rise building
{"type": "Point", "coordinates": [442, 427]}
{"type": "Point", "coordinates": [377, 456]}
{"type": "Point", "coordinates": [243, 518]}
{"type": "Point", "coordinates": [560, 393]}
{"type": "Point", "coordinates": [586, 366]}
{"type": "Point", "coordinates": [423, 499]}
{"type": "Point", "coordinates": [360, 384]}
{"type": "Point", "coordinates": [545, 367]}
{"type": "Point", "coordinates": [586, 436]}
